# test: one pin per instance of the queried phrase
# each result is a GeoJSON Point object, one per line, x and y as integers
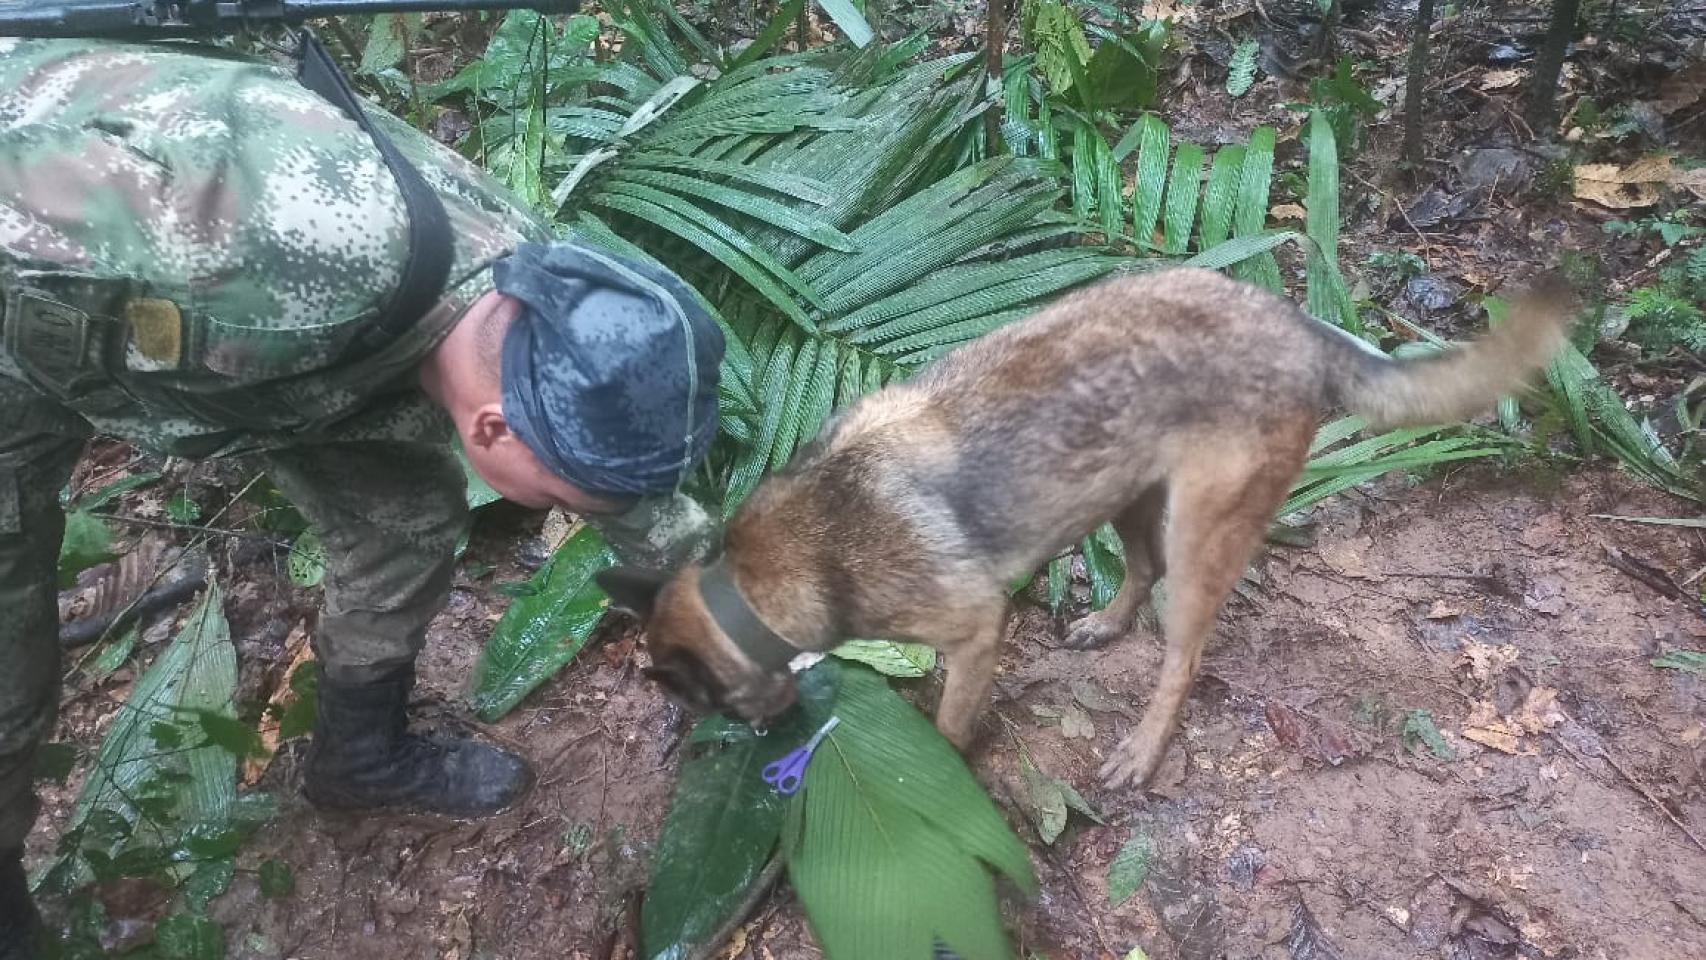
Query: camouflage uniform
{"type": "Point", "coordinates": [190, 243]}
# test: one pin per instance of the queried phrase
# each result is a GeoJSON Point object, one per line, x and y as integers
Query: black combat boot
{"type": "Point", "coordinates": [363, 757]}
{"type": "Point", "coordinates": [20, 925]}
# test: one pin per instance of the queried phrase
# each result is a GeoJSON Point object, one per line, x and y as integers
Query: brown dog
{"type": "Point", "coordinates": [1179, 391]}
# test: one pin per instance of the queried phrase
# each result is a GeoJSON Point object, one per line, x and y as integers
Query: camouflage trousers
{"type": "Point", "coordinates": [389, 513]}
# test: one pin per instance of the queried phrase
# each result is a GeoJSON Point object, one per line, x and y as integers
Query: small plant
{"type": "Point", "coordinates": [1660, 320]}
{"type": "Point", "coordinates": [1345, 102]}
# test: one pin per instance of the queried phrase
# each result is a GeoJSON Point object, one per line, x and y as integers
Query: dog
{"type": "Point", "coordinates": [1179, 392]}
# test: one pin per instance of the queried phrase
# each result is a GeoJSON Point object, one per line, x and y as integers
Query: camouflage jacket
{"type": "Point", "coordinates": [202, 238]}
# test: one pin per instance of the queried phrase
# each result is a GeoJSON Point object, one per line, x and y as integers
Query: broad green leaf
{"type": "Point", "coordinates": [723, 823]}
{"type": "Point", "coordinates": [1129, 868]}
{"type": "Point", "coordinates": [114, 654]}
{"type": "Point", "coordinates": [1183, 188]}
{"type": "Point", "coordinates": [1151, 179]}
{"type": "Point", "coordinates": [890, 842]}
{"type": "Point", "coordinates": [88, 542]}
{"type": "Point", "coordinates": [196, 672]}
{"type": "Point", "coordinates": [184, 937]}
{"type": "Point", "coordinates": [1419, 728]}
{"type": "Point", "coordinates": [1689, 661]}
{"type": "Point", "coordinates": [1105, 570]}
{"type": "Point", "coordinates": [54, 762]}
{"type": "Point", "coordinates": [889, 657]}
{"type": "Point", "coordinates": [306, 562]}
{"type": "Point", "coordinates": [543, 628]}
{"type": "Point", "coordinates": [848, 18]}
{"type": "Point", "coordinates": [298, 718]}
{"type": "Point", "coordinates": [1252, 212]}
{"type": "Point", "coordinates": [209, 881]}
{"type": "Point", "coordinates": [385, 41]}
{"type": "Point", "coordinates": [480, 492]}
{"type": "Point", "coordinates": [230, 734]}
{"type": "Point", "coordinates": [275, 879]}
{"type": "Point", "coordinates": [1327, 298]}
{"type": "Point", "coordinates": [112, 491]}
{"type": "Point", "coordinates": [1124, 69]}
{"type": "Point", "coordinates": [1220, 197]}
{"type": "Point", "coordinates": [771, 35]}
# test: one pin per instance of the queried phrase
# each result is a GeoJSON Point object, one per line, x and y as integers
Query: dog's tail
{"type": "Point", "coordinates": [1460, 381]}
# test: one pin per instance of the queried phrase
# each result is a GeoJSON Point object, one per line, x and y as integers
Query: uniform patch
{"type": "Point", "coordinates": [156, 329]}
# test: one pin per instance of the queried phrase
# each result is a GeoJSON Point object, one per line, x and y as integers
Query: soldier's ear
{"type": "Point", "coordinates": [631, 589]}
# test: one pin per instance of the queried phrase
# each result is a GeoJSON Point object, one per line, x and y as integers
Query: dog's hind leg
{"type": "Point", "coordinates": [972, 656]}
{"type": "Point", "coordinates": [1221, 505]}
{"type": "Point", "coordinates": [1140, 530]}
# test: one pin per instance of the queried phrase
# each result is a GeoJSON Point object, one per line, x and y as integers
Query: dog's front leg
{"type": "Point", "coordinates": [970, 674]}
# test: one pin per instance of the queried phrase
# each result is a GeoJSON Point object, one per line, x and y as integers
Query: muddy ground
{"type": "Point", "coordinates": [1303, 811]}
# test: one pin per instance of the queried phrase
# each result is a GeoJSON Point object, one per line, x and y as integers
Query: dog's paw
{"type": "Point", "coordinates": [1133, 763]}
{"type": "Point", "coordinates": [1094, 632]}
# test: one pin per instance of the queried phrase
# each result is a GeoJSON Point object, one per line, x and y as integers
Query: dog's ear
{"type": "Point", "coordinates": [631, 589]}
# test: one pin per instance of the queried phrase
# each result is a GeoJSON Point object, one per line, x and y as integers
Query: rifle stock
{"type": "Point", "coordinates": [140, 19]}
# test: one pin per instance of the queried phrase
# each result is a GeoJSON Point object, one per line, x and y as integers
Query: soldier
{"type": "Point", "coordinates": [195, 254]}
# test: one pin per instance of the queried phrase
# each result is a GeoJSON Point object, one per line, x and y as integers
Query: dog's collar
{"type": "Point", "coordinates": [735, 617]}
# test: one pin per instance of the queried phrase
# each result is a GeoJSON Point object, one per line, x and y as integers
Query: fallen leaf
{"type": "Point", "coordinates": [1500, 79]}
{"type": "Point", "coordinates": [1538, 712]}
{"type": "Point", "coordinates": [1485, 661]}
{"type": "Point", "coordinates": [1075, 723]}
{"type": "Point", "coordinates": [1129, 868]}
{"type": "Point", "coordinates": [1288, 211]}
{"type": "Point", "coordinates": [1683, 88]}
{"type": "Point", "coordinates": [300, 651]}
{"type": "Point", "coordinates": [1093, 697]}
{"type": "Point", "coordinates": [1317, 739]}
{"type": "Point", "coordinates": [1305, 941]}
{"type": "Point", "coordinates": [1640, 184]}
{"type": "Point", "coordinates": [1442, 610]}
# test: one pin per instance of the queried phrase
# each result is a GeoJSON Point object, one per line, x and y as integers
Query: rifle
{"type": "Point", "coordinates": [143, 19]}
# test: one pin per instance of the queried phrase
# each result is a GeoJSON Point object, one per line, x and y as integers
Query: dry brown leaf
{"type": "Point", "coordinates": [1683, 88]}
{"type": "Point", "coordinates": [300, 651]}
{"type": "Point", "coordinates": [1486, 727]}
{"type": "Point", "coordinates": [1640, 184]}
{"type": "Point", "coordinates": [1485, 661]}
{"type": "Point", "coordinates": [1539, 711]}
{"type": "Point", "coordinates": [1500, 79]}
{"type": "Point", "coordinates": [1288, 211]}
{"type": "Point", "coordinates": [736, 945]}
{"type": "Point", "coordinates": [1441, 610]}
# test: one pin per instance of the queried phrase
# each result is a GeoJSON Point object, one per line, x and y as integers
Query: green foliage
{"type": "Point", "coordinates": [1688, 661]}
{"type": "Point", "coordinates": [181, 508]}
{"type": "Point", "coordinates": [1241, 72]}
{"type": "Point", "coordinates": [889, 658]}
{"type": "Point", "coordinates": [543, 628]}
{"type": "Point", "coordinates": [1129, 868]}
{"type": "Point", "coordinates": [88, 542]}
{"type": "Point", "coordinates": [1660, 320]}
{"type": "Point", "coordinates": [275, 879]}
{"type": "Point", "coordinates": [160, 802]}
{"type": "Point", "coordinates": [1345, 102]}
{"type": "Point", "coordinates": [306, 562]}
{"type": "Point", "coordinates": [1052, 29]}
{"type": "Point", "coordinates": [1419, 730]}
{"type": "Point", "coordinates": [891, 840]}
{"type": "Point", "coordinates": [723, 823]}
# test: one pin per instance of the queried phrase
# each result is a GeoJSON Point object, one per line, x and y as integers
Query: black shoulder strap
{"type": "Point", "coordinates": [430, 251]}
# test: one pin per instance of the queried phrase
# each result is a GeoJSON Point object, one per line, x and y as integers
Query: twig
{"type": "Point", "coordinates": [1640, 788]}
{"type": "Point", "coordinates": [1644, 572]}
{"type": "Point", "coordinates": [759, 889]}
{"type": "Point", "coordinates": [210, 531]}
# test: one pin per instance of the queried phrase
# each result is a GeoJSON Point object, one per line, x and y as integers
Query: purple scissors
{"type": "Point", "coordinates": [787, 773]}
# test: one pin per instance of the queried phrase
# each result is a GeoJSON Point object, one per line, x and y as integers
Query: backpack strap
{"type": "Point", "coordinates": [430, 251]}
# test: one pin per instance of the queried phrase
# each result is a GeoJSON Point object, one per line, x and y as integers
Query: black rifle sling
{"type": "Point", "coordinates": [430, 252]}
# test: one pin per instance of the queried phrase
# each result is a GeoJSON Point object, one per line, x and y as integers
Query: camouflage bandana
{"type": "Point", "coordinates": [610, 370]}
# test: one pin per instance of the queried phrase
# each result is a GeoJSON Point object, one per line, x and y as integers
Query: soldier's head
{"type": "Point", "coordinates": [600, 380]}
